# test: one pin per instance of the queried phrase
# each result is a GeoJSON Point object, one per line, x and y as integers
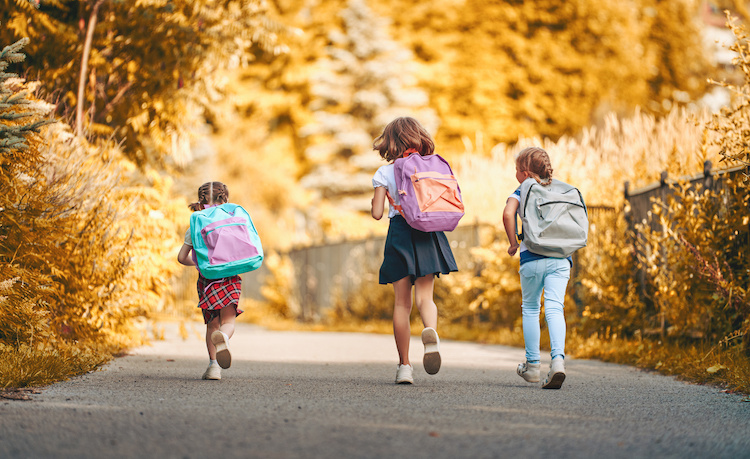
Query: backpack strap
{"type": "Point", "coordinates": [395, 206]}
{"type": "Point", "coordinates": [519, 236]}
{"type": "Point", "coordinates": [408, 152]}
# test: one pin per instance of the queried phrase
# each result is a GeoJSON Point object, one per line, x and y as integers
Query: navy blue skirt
{"type": "Point", "coordinates": [410, 252]}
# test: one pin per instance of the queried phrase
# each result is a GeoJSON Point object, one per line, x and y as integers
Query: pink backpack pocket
{"type": "Point", "coordinates": [437, 192]}
{"type": "Point", "coordinates": [228, 240]}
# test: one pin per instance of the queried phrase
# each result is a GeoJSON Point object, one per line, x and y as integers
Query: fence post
{"type": "Point", "coordinates": [708, 178]}
{"type": "Point", "coordinates": [663, 187]}
{"type": "Point", "coordinates": [628, 214]}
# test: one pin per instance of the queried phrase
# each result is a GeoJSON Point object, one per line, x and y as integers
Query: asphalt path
{"type": "Point", "coordinates": [331, 395]}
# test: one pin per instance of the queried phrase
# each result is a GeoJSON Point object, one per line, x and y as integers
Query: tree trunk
{"type": "Point", "coordinates": [84, 66]}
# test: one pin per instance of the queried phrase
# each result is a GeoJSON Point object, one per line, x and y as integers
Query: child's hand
{"type": "Point", "coordinates": [513, 249]}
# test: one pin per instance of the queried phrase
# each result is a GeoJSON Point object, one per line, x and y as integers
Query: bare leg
{"type": "Point", "coordinates": [210, 328]}
{"type": "Point", "coordinates": [228, 315]}
{"type": "Point", "coordinates": [401, 313]}
{"type": "Point", "coordinates": [423, 288]}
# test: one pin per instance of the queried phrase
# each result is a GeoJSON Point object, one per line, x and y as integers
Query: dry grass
{"type": "Point", "coordinates": [45, 363]}
{"type": "Point", "coordinates": [728, 368]}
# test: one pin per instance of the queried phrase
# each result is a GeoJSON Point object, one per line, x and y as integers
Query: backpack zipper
{"type": "Point", "coordinates": [435, 178]}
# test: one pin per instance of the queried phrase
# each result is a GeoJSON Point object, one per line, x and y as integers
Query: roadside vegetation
{"type": "Point", "coordinates": [98, 162]}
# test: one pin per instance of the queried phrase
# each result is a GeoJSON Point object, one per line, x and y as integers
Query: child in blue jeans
{"type": "Point", "coordinates": [538, 274]}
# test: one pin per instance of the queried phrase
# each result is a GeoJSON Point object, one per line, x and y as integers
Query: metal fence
{"type": "Point", "coordinates": [640, 200]}
{"type": "Point", "coordinates": [640, 203]}
{"type": "Point", "coordinates": [330, 272]}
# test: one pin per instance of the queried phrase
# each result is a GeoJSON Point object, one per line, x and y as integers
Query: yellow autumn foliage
{"type": "Point", "coordinates": [84, 239]}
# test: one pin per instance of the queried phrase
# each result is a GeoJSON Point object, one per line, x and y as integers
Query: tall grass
{"type": "Point", "coordinates": [599, 161]}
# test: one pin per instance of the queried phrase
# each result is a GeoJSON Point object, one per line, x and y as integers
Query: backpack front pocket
{"type": "Point", "coordinates": [228, 240]}
{"type": "Point", "coordinates": [437, 192]}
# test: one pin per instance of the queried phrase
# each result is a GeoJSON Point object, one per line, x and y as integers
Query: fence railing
{"type": "Point", "coordinates": [331, 272]}
{"type": "Point", "coordinates": [640, 200]}
{"type": "Point", "coordinates": [639, 212]}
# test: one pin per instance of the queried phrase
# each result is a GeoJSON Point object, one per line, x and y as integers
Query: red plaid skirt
{"type": "Point", "coordinates": [216, 294]}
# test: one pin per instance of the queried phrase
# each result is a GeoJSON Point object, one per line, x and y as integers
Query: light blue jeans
{"type": "Point", "coordinates": [551, 276]}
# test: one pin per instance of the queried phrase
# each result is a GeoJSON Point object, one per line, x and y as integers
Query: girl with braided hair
{"type": "Point", "coordinates": [538, 273]}
{"type": "Point", "coordinates": [218, 299]}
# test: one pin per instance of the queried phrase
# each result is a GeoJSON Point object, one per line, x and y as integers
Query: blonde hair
{"type": "Point", "coordinates": [210, 193]}
{"type": "Point", "coordinates": [535, 161]}
{"type": "Point", "coordinates": [402, 134]}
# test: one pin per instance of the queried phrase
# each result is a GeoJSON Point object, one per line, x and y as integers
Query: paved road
{"type": "Point", "coordinates": [307, 394]}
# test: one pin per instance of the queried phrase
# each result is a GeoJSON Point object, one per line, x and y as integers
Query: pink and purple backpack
{"type": "Point", "coordinates": [429, 192]}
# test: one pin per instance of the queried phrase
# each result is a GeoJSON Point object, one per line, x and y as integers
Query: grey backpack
{"type": "Point", "coordinates": [554, 218]}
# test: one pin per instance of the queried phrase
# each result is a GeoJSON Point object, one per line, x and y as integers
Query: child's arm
{"type": "Point", "coordinates": [509, 222]}
{"type": "Point", "coordinates": [378, 203]}
{"type": "Point", "coordinates": [184, 256]}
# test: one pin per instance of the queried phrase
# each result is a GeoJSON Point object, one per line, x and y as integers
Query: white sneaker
{"type": "Point", "coordinates": [431, 341]}
{"type": "Point", "coordinates": [212, 372]}
{"type": "Point", "coordinates": [405, 374]}
{"type": "Point", "coordinates": [529, 371]}
{"type": "Point", "coordinates": [556, 374]}
{"type": "Point", "coordinates": [221, 341]}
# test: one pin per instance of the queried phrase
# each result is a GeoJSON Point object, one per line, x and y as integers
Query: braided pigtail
{"type": "Point", "coordinates": [536, 162]}
{"type": "Point", "coordinates": [210, 193]}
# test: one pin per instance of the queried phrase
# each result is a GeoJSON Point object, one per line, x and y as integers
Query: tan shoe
{"type": "Point", "coordinates": [405, 374]}
{"type": "Point", "coordinates": [221, 341]}
{"type": "Point", "coordinates": [529, 371]}
{"type": "Point", "coordinates": [556, 374]}
{"type": "Point", "coordinates": [212, 372]}
{"type": "Point", "coordinates": [431, 341]}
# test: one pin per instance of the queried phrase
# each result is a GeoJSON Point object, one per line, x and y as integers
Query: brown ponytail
{"type": "Point", "coordinates": [210, 193]}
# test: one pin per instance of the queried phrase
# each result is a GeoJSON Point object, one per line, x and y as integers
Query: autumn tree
{"type": "Point", "coordinates": [148, 90]}
{"type": "Point", "coordinates": [510, 69]}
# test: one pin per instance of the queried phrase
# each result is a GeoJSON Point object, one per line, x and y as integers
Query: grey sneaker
{"type": "Point", "coordinates": [529, 371]}
{"type": "Point", "coordinates": [212, 372]}
{"type": "Point", "coordinates": [405, 374]}
{"type": "Point", "coordinates": [431, 341]}
{"type": "Point", "coordinates": [556, 374]}
{"type": "Point", "coordinates": [221, 341]}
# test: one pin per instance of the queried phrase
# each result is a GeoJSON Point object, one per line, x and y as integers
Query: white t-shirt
{"type": "Point", "coordinates": [386, 177]}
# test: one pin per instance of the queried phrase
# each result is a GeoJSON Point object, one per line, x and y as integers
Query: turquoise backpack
{"type": "Point", "coordinates": [554, 218]}
{"type": "Point", "coordinates": [225, 241]}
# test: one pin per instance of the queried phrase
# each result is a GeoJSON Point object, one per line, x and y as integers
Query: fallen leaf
{"type": "Point", "coordinates": [716, 368]}
{"type": "Point", "coordinates": [18, 394]}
